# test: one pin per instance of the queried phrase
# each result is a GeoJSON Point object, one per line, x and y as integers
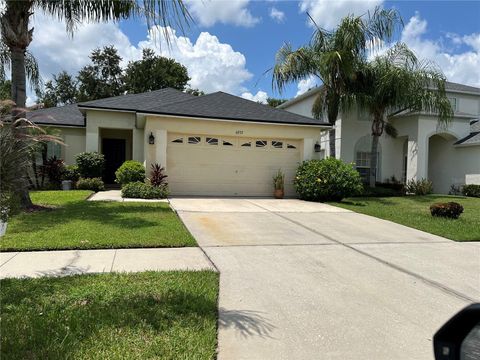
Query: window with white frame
{"type": "Point", "coordinates": [362, 158]}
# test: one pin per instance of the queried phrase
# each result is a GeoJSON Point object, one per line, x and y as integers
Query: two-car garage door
{"type": "Point", "coordinates": [229, 166]}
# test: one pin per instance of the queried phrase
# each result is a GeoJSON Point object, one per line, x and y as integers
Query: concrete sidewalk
{"type": "Point", "coordinates": [116, 195]}
{"type": "Point", "coordinates": [70, 262]}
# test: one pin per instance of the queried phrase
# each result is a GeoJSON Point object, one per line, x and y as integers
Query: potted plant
{"type": "Point", "coordinates": [279, 184]}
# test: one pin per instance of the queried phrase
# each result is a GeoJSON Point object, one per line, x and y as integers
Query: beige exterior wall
{"type": "Point", "coordinates": [74, 139]}
{"type": "Point", "coordinates": [97, 120]}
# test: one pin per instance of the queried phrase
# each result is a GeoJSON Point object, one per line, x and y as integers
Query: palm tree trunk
{"type": "Point", "coordinates": [332, 135]}
{"type": "Point", "coordinates": [19, 96]}
{"type": "Point", "coordinates": [373, 160]}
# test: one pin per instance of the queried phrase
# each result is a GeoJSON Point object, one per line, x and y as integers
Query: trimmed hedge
{"type": "Point", "coordinates": [140, 190]}
{"type": "Point", "coordinates": [471, 190]}
{"type": "Point", "coordinates": [90, 164]}
{"type": "Point", "coordinates": [451, 210]}
{"type": "Point", "coordinates": [130, 171]}
{"type": "Point", "coordinates": [327, 180]}
{"type": "Point", "coordinates": [94, 184]}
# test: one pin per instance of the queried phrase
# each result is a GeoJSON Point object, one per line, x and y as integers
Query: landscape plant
{"type": "Point", "coordinates": [327, 180]}
{"type": "Point", "coordinates": [130, 171]}
{"type": "Point", "coordinates": [471, 190]}
{"type": "Point", "coordinates": [451, 210]}
{"type": "Point", "coordinates": [54, 170]}
{"type": "Point", "coordinates": [157, 175]}
{"type": "Point", "coordinates": [93, 184]}
{"type": "Point", "coordinates": [90, 164]}
{"type": "Point", "coordinates": [141, 190]}
{"type": "Point", "coordinates": [419, 187]}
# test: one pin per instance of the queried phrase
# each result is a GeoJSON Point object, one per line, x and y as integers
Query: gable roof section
{"type": "Point", "coordinates": [224, 106]}
{"type": "Point", "coordinates": [68, 115]}
{"type": "Point", "coordinates": [474, 137]}
{"type": "Point", "coordinates": [138, 102]}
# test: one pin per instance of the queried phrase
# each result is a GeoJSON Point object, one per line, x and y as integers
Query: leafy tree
{"type": "Point", "coordinates": [395, 82]}
{"type": "Point", "coordinates": [5, 90]}
{"type": "Point", "coordinates": [194, 92]}
{"type": "Point", "coordinates": [62, 90]}
{"type": "Point", "coordinates": [103, 78]}
{"type": "Point", "coordinates": [154, 72]}
{"type": "Point", "coordinates": [16, 33]}
{"type": "Point", "coordinates": [275, 102]}
{"type": "Point", "coordinates": [332, 57]}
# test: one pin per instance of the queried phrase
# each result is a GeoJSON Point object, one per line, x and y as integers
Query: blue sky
{"type": "Point", "coordinates": [233, 43]}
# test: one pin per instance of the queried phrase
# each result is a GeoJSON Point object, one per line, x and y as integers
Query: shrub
{"type": "Point", "coordinates": [94, 184]}
{"type": "Point", "coordinates": [130, 171]}
{"type": "Point", "coordinates": [327, 179]}
{"type": "Point", "coordinates": [157, 177]}
{"type": "Point", "coordinates": [71, 173]}
{"type": "Point", "coordinates": [471, 190]}
{"type": "Point", "coordinates": [90, 164]}
{"type": "Point", "coordinates": [450, 210]}
{"type": "Point", "coordinates": [141, 190]}
{"type": "Point", "coordinates": [54, 169]}
{"type": "Point", "coordinates": [419, 187]}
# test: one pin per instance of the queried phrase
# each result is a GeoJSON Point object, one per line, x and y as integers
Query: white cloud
{"type": "Point", "coordinates": [260, 96]}
{"type": "Point", "coordinates": [210, 12]}
{"type": "Point", "coordinates": [212, 65]}
{"type": "Point", "coordinates": [277, 15]}
{"type": "Point", "coordinates": [328, 13]}
{"type": "Point", "coordinates": [457, 67]}
{"type": "Point", "coordinates": [306, 84]}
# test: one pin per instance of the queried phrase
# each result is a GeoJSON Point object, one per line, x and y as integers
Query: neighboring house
{"type": "Point", "coordinates": [448, 155]}
{"type": "Point", "coordinates": [216, 144]}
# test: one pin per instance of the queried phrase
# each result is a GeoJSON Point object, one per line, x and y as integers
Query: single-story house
{"type": "Point", "coordinates": [447, 155]}
{"type": "Point", "coordinates": [216, 144]}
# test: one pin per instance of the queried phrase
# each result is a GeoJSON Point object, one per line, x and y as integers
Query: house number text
{"type": "Point", "coordinates": [239, 132]}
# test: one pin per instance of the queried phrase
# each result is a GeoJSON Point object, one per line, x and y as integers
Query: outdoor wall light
{"type": "Point", "coordinates": [151, 139]}
{"type": "Point", "coordinates": [317, 147]}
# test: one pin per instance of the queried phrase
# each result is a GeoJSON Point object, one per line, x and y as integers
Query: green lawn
{"type": "Point", "coordinates": [414, 211]}
{"type": "Point", "coordinates": [161, 315]}
{"type": "Point", "coordinates": [74, 223]}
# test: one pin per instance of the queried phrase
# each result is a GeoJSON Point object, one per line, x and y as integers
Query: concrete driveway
{"type": "Point", "coordinates": [303, 280]}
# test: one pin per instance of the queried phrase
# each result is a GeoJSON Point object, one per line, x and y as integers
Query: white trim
{"type": "Point", "coordinates": [62, 126]}
{"type": "Point", "coordinates": [224, 120]}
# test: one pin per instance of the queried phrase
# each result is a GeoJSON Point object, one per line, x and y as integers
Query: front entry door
{"type": "Point", "coordinates": [114, 152]}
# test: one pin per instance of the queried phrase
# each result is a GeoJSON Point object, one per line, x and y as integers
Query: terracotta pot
{"type": "Point", "coordinates": [278, 193]}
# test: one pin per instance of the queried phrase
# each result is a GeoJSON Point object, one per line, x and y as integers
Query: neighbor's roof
{"type": "Point", "coordinates": [449, 86]}
{"type": "Point", "coordinates": [474, 137]}
{"type": "Point", "coordinates": [220, 105]}
{"type": "Point", "coordinates": [67, 115]}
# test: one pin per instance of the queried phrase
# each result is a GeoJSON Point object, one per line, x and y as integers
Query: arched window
{"type": "Point", "coordinates": [362, 152]}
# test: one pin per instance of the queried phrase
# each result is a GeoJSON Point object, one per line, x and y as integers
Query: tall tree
{"type": "Point", "coordinates": [154, 72]}
{"type": "Point", "coordinates": [16, 32]}
{"type": "Point", "coordinates": [332, 57]}
{"type": "Point", "coordinates": [61, 90]}
{"type": "Point", "coordinates": [194, 92]}
{"type": "Point", "coordinates": [103, 78]}
{"type": "Point", "coordinates": [395, 82]}
{"type": "Point", "coordinates": [275, 102]}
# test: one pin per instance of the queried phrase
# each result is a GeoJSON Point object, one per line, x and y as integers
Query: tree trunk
{"type": "Point", "coordinates": [373, 160]}
{"type": "Point", "coordinates": [332, 135]}
{"type": "Point", "coordinates": [19, 96]}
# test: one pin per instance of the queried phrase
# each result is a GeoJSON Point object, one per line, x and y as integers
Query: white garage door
{"type": "Point", "coordinates": [229, 166]}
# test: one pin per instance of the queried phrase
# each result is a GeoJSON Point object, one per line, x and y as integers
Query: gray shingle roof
{"type": "Point", "coordinates": [67, 115]}
{"type": "Point", "coordinates": [139, 102]}
{"type": "Point", "coordinates": [224, 106]}
{"type": "Point", "coordinates": [460, 87]}
{"type": "Point", "coordinates": [474, 137]}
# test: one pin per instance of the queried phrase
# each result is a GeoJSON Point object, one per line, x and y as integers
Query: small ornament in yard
{"type": "Point", "coordinates": [3, 221]}
{"type": "Point", "coordinates": [279, 184]}
{"type": "Point", "coordinates": [451, 210]}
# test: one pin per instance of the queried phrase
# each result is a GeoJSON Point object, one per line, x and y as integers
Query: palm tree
{"type": "Point", "coordinates": [393, 83]}
{"type": "Point", "coordinates": [16, 33]}
{"type": "Point", "coordinates": [332, 57]}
